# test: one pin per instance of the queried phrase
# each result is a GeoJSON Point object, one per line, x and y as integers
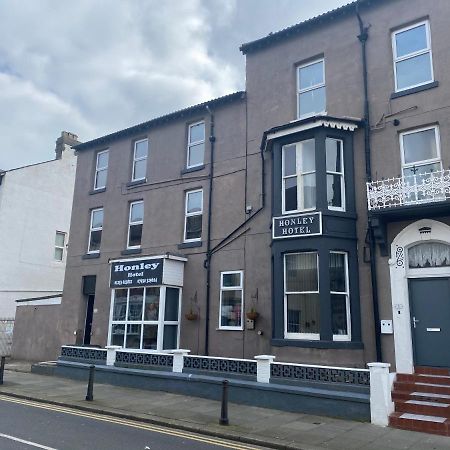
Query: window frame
{"type": "Point", "coordinates": [348, 336]}
{"type": "Point", "coordinates": [192, 144]}
{"type": "Point", "coordinates": [423, 162]}
{"type": "Point", "coordinates": [101, 169]}
{"type": "Point", "coordinates": [60, 247]}
{"type": "Point", "coordinates": [186, 215]}
{"type": "Point", "coordinates": [91, 229]}
{"type": "Point", "coordinates": [160, 322]}
{"type": "Point", "coordinates": [298, 174]}
{"type": "Point", "coordinates": [232, 288]}
{"type": "Point", "coordinates": [412, 55]}
{"type": "Point", "coordinates": [300, 336]}
{"type": "Point", "coordinates": [138, 222]}
{"type": "Point", "coordinates": [133, 178]}
{"type": "Point", "coordinates": [311, 88]}
{"type": "Point", "coordinates": [341, 174]}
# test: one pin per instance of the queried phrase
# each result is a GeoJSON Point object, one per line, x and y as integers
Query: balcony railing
{"type": "Point", "coordinates": [416, 189]}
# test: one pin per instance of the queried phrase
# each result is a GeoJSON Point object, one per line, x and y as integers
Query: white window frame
{"type": "Point", "coordinates": [311, 88]}
{"type": "Point", "coordinates": [341, 174]}
{"type": "Point", "coordinates": [139, 159]}
{"type": "Point", "coordinates": [348, 336]}
{"type": "Point", "coordinates": [232, 288]}
{"type": "Point", "coordinates": [196, 213]}
{"type": "Point", "coordinates": [100, 169]}
{"type": "Point", "coordinates": [63, 247]}
{"type": "Point", "coordinates": [136, 222]}
{"type": "Point", "coordinates": [160, 322]}
{"type": "Point", "coordinates": [412, 55]}
{"type": "Point", "coordinates": [303, 336]}
{"type": "Point", "coordinates": [436, 160]}
{"type": "Point", "coordinates": [298, 174]}
{"type": "Point", "coordinates": [91, 229]}
{"type": "Point", "coordinates": [191, 144]}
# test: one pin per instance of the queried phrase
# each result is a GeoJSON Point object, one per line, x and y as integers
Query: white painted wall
{"type": "Point", "coordinates": [35, 202]}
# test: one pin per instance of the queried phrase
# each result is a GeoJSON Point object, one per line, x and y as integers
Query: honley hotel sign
{"type": "Point", "coordinates": [297, 225]}
{"type": "Point", "coordinates": [138, 272]}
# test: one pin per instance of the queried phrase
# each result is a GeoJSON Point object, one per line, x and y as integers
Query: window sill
{"type": "Point", "coordinates": [190, 244]}
{"type": "Point", "coordinates": [131, 251]}
{"type": "Point", "coordinates": [317, 344]}
{"type": "Point", "coordinates": [192, 169]}
{"type": "Point", "coordinates": [136, 183]}
{"type": "Point", "coordinates": [414, 90]}
{"type": "Point", "coordinates": [97, 191]}
{"type": "Point", "coordinates": [230, 329]}
{"type": "Point", "coordinates": [91, 256]}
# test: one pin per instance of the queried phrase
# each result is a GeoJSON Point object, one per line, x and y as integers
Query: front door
{"type": "Point", "coordinates": [88, 322]}
{"type": "Point", "coordinates": [430, 321]}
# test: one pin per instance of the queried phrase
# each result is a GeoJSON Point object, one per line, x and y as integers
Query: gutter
{"type": "Point", "coordinates": [363, 37]}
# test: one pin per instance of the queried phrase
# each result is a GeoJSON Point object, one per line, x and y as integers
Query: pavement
{"type": "Point", "coordinates": [252, 425]}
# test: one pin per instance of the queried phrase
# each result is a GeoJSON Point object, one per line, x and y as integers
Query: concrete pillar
{"type": "Point", "coordinates": [178, 359]}
{"type": "Point", "coordinates": [263, 368]}
{"type": "Point", "coordinates": [111, 354]}
{"type": "Point", "coordinates": [381, 405]}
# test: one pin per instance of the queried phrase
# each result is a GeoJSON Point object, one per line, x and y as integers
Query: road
{"type": "Point", "coordinates": [28, 425]}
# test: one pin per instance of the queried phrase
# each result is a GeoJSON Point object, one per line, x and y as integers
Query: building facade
{"type": "Point", "coordinates": [35, 210]}
{"type": "Point", "coordinates": [301, 218]}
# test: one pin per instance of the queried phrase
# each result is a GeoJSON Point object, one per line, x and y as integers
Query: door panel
{"type": "Point", "coordinates": [430, 321]}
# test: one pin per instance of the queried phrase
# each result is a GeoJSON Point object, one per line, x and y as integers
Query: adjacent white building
{"type": "Point", "coordinates": [35, 210]}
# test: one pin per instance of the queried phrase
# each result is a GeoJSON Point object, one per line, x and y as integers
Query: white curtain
{"type": "Point", "coordinates": [429, 254]}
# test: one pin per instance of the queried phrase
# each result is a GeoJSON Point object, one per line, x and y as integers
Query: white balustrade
{"type": "Point", "coordinates": [415, 189]}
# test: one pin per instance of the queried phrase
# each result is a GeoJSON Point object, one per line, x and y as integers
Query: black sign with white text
{"type": "Point", "coordinates": [134, 273]}
{"type": "Point", "coordinates": [298, 225]}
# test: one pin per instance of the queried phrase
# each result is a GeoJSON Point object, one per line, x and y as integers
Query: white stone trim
{"type": "Point", "coordinates": [399, 273]}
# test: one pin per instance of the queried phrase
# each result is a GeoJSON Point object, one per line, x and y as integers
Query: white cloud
{"type": "Point", "coordinates": [93, 67]}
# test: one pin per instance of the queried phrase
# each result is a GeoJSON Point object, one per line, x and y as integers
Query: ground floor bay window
{"type": "Point", "coordinates": [302, 295]}
{"type": "Point", "coordinates": [145, 318]}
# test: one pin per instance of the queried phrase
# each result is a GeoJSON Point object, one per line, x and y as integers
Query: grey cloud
{"type": "Point", "coordinates": [93, 67]}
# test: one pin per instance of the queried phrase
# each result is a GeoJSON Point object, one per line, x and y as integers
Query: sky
{"type": "Point", "coordinates": [92, 67]}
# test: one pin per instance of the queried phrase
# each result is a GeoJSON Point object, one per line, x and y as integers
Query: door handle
{"type": "Point", "coordinates": [415, 321]}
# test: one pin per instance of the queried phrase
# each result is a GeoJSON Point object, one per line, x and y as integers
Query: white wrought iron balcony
{"type": "Point", "coordinates": [415, 189]}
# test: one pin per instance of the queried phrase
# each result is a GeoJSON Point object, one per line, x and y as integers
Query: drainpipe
{"type": "Point", "coordinates": [363, 36]}
{"type": "Point", "coordinates": [207, 262]}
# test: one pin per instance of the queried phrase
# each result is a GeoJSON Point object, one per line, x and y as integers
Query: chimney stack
{"type": "Point", "coordinates": [66, 138]}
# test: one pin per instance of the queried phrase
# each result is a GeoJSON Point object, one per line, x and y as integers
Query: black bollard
{"type": "Point", "coordinates": [90, 388]}
{"type": "Point", "coordinates": [2, 369]}
{"type": "Point", "coordinates": [224, 410]}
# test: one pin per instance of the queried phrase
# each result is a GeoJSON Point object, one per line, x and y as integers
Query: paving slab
{"type": "Point", "coordinates": [266, 427]}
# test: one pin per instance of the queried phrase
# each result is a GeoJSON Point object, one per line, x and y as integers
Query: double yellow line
{"type": "Point", "coordinates": [130, 423]}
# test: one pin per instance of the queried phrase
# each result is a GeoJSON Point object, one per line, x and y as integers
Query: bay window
{"type": "Point", "coordinates": [299, 176]}
{"type": "Point", "coordinates": [339, 295]}
{"type": "Point", "coordinates": [145, 318]}
{"type": "Point", "coordinates": [301, 295]}
{"type": "Point", "coordinates": [335, 174]}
